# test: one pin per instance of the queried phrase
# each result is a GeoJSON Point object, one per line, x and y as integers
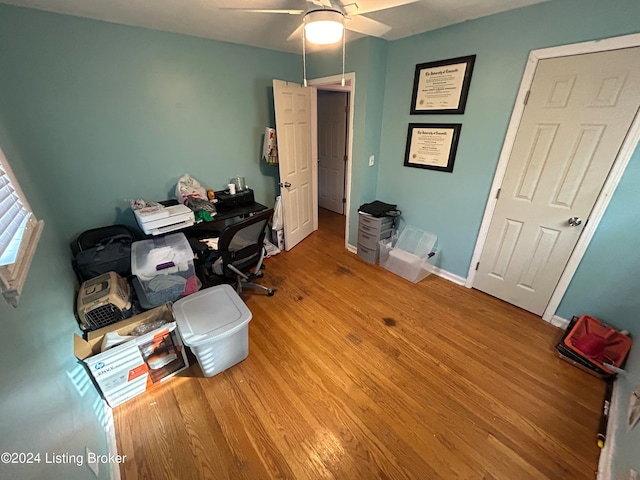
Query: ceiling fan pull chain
{"type": "Point", "coordinates": [304, 59]}
{"type": "Point", "coordinates": [344, 36]}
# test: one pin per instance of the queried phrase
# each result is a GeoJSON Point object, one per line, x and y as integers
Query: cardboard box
{"type": "Point", "coordinates": [133, 367]}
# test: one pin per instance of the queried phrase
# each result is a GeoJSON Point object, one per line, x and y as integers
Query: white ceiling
{"type": "Point", "coordinates": [206, 18]}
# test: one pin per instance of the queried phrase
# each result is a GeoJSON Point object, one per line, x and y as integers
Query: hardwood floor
{"type": "Point", "coordinates": [355, 373]}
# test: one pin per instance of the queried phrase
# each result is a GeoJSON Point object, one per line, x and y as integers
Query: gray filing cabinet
{"type": "Point", "coordinates": [370, 231]}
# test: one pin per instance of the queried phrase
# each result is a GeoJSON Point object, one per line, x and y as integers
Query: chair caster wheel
{"type": "Point", "coordinates": [270, 293]}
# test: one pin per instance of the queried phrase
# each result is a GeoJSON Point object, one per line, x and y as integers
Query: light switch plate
{"type": "Point", "coordinates": [93, 466]}
{"type": "Point", "coordinates": [371, 160]}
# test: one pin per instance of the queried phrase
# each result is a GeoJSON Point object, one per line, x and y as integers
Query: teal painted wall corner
{"type": "Point", "coordinates": [108, 113]}
{"type": "Point", "coordinates": [452, 204]}
{"type": "Point", "coordinates": [48, 402]}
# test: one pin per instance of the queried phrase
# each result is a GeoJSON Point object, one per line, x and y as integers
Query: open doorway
{"type": "Point", "coordinates": [335, 126]}
{"type": "Point", "coordinates": [333, 108]}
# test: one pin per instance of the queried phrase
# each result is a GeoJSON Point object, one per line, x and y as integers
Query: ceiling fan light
{"type": "Point", "coordinates": [323, 27]}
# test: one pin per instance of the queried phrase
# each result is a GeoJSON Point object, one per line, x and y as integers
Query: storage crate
{"type": "Point", "coordinates": [164, 269]}
{"type": "Point", "coordinates": [405, 264]}
{"type": "Point", "coordinates": [408, 264]}
{"type": "Point", "coordinates": [599, 343]}
{"type": "Point", "coordinates": [214, 323]}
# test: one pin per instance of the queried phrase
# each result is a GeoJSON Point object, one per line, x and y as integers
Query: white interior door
{"type": "Point", "coordinates": [577, 116]}
{"type": "Point", "coordinates": [332, 136]}
{"type": "Point", "coordinates": [292, 104]}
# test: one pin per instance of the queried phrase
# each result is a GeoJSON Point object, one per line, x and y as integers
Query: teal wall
{"type": "Point", "coordinates": [607, 283]}
{"type": "Point", "coordinates": [93, 114]}
{"type": "Point", "coordinates": [47, 400]}
{"type": "Point", "coordinates": [105, 113]}
{"type": "Point", "coordinates": [452, 204]}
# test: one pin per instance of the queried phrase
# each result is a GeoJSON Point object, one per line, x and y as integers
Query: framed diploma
{"type": "Point", "coordinates": [442, 87]}
{"type": "Point", "coordinates": [432, 145]}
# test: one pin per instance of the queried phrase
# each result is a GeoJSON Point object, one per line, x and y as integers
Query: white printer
{"type": "Point", "coordinates": [158, 219]}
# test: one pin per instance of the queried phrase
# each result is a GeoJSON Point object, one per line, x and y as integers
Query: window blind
{"type": "Point", "coordinates": [13, 219]}
{"type": "Point", "coordinates": [20, 232]}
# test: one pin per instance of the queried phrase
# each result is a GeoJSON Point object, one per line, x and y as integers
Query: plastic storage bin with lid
{"type": "Point", "coordinates": [214, 323]}
{"type": "Point", "coordinates": [411, 255]}
{"type": "Point", "coordinates": [163, 269]}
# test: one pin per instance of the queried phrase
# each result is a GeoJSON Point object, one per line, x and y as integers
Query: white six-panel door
{"type": "Point", "coordinates": [332, 136]}
{"type": "Point", "coordinates": [578, 113]}
{"type": "Point", "coordinates": [292, 104]}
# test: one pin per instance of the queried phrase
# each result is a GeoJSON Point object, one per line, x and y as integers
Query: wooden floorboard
{"type": "Point", "coordinates": [356, 373]}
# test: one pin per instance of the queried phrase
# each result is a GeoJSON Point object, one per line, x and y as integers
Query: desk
{"type": "Point", "coordinates": [224, 214]}
{"type": "Point", "coordinates": [241, 211]}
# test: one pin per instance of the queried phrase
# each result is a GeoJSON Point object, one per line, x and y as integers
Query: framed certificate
{"type": "Point", "coordinates": [432, 145]}
{"type": "Point", "coordinates": [442, 87]}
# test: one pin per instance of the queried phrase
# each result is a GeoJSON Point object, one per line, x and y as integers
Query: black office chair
{"type": "Point", "coordinates": [240, 252]}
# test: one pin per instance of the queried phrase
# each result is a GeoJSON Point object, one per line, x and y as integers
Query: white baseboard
{"type": "Point", "coordinates": [449, 276]}
{"type": "Point", "coordinates": [112, 444]}
{"type": "Point", "coordinates": [352, 249]}
{"type": "Point", "coordinates": [557, 321]}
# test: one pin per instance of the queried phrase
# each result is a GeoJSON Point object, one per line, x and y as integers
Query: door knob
{"type": "Point", "coordinates": [574, 221]}
{"type": "Point", "coordinates": [285, 184]}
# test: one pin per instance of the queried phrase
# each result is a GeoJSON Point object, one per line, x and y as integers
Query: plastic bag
{"type": "Point", "coordinates": [278, 215]}
{"type": "Point", "coordinates": [111, 339]}
{"type": "Point", "coordinates": [189, 187]}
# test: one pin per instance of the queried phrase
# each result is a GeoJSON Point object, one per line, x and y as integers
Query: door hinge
{"type": "Point", "coordinates": [346, 158]}
{"type": "Point", "coordinates": [344, 200]}
{"type": "Point", "coordinates": [526, 97]}
{"type": "Point", "coordinates": [346, 109]}
{"type": "Point", "coordinates": [498, 193]}
{"type": "Point", "coordinates": [477, 265]}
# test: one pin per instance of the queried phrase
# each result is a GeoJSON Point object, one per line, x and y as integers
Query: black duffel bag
{"type": "Point", "coordinates": [102, 250]}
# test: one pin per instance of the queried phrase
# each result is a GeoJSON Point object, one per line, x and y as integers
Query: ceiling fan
{"type": "Point", "coordinates": [324, 20]}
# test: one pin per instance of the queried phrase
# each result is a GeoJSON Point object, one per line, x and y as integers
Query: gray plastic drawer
{"type": "Point", "coordinates": [381, 223]}
{"type": "Point", "coordinates": [371, 230]}
{"type": "Point", "coordinates": [370, 239]}
{"type": "Point", "coordinates": [368, 254]}
{"type": "Point", "coordinates": [366, 239]}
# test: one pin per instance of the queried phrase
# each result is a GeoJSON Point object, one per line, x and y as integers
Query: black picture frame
{"type": "Point", "coordinates": [432, 146]}
{"type": "Point", "coordinates": [441, 87]}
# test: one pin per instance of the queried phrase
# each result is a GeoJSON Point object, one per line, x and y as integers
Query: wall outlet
{"type": "Point", "coordinates": [92, 461]}
{"type": "Point", "coordinates": [372, 160]}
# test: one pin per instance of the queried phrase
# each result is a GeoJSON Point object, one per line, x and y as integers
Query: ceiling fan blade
{"type": "Point", "coordinates": [257, 10]}
{"type": "Point", "coordinates": [322, 3]}
{"type": "Point", "coordinates": [366, 26]}
{"type": "Point", "coordinates": [370, 6]}
{"type": "Point", "coordinates": [297, 33]}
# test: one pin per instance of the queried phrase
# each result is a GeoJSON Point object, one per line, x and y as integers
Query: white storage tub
{"type": "Point", "coordinates": [414, 265]}
{"type": "Point", "coordinates": [214, 323]}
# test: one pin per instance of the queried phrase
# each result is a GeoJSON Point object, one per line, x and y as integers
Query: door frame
{"type": "Point", "coordinates": [615, 174]}
{"type": "Point", "coordinates": [334, 83]}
